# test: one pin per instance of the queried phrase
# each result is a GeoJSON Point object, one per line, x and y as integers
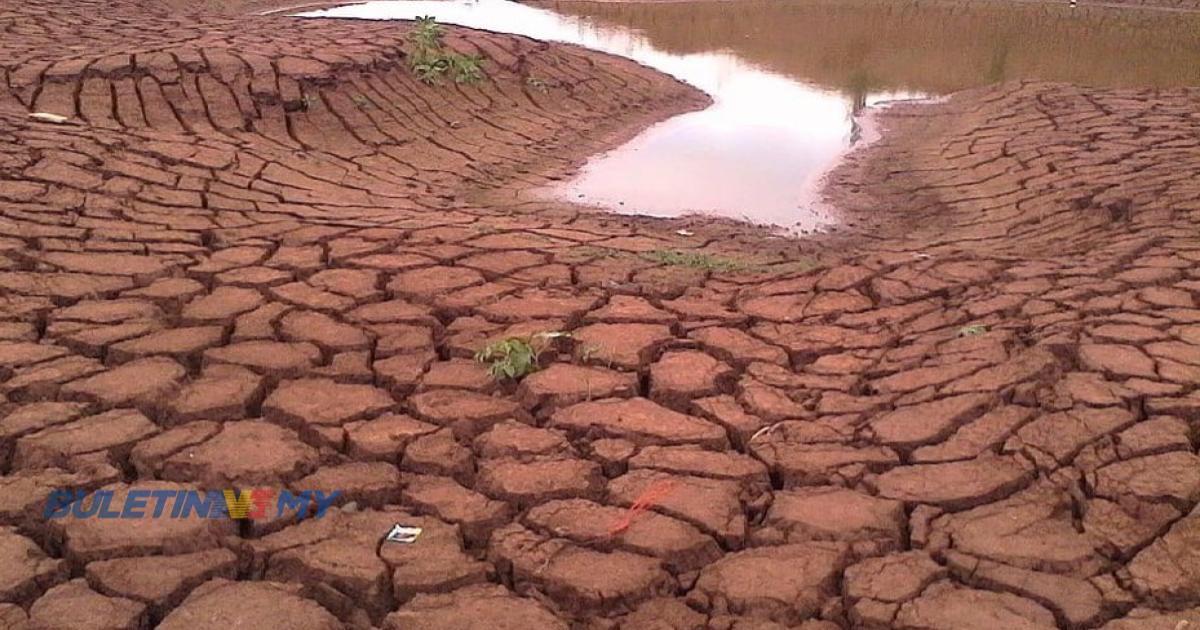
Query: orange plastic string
{"type": "Point", "coordinates": [650, 497]}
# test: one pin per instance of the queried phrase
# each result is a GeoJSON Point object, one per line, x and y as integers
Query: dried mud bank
{"type": "Point", "coordinates": [249, 260]}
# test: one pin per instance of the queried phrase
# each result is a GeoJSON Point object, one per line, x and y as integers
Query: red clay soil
{"type": "Point", "coordinates": [258, 255]}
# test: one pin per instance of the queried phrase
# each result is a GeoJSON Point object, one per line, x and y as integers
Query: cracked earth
{"type": "Point", "coordinates": [260, 254]}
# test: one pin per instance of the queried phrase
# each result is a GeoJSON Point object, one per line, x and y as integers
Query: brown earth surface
{"type": "Point", "coordinates": [260, 254]}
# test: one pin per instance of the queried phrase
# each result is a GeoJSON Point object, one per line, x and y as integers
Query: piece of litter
{"type": "Point", "coordinates": [48, 117]}
{"type": "Point", "coordinates": [767, 430]}
{"type": "Point", "coordinates": [404, 534]}
{"type": "Point", "coordinates": [685, 232]}
{"type": "Point", "coordinates": [650, 497]}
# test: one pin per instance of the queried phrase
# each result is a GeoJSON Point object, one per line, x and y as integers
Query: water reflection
{"type": "Point", "coordinates": [790, 81]}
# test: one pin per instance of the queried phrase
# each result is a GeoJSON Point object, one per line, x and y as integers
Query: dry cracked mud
{"type": "Point", "coordinates": [258, 253]}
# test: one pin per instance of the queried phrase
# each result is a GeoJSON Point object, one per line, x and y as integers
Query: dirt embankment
{"type": "Point", "coordinates": [253, 257]}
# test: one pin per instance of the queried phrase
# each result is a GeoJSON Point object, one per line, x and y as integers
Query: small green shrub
{"type": "Point", "coordinates": [972, 331]}
{"type": "Point", "coordinates": [431, 61]}
{"type": "Point", "coordinates": [515, 358]}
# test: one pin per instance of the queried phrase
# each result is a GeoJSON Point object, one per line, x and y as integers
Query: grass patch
{"type": "Point", "coordinates": [515, 358]}
{"type": "Point", "coordinates": [695, 260]}
{"type": "Point", "coordinates": [431, 61]}
{"type": "Point", "coordinates": [972, 331]}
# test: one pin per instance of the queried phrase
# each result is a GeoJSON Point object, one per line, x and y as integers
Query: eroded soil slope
{"type": "Point", "coordinates": [256, 257]}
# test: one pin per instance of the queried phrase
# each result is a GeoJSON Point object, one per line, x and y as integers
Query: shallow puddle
{"type": "Point", "coordinates": [791, 80]}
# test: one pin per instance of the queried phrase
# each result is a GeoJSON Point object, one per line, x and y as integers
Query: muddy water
{"type": "Point", "coordinates": [791, 81]}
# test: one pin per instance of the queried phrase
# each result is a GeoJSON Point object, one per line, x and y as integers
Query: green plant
{"type": "Point", "coordinates": [972, 331]}
{"type": "Point", "coordinates": [694, 260]}
{"type": "Point", "coordinates": [516, 357]}
{"type": "Point", "coordinates": [537, 84]}
{"type": "Point", "coordinates": [430, 60]}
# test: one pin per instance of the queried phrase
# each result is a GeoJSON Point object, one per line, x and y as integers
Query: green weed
{"type": "Point", "coordinates": [695, 260]}
{"type": "Point", "coordinates": [515, 358]}
{"type": "Point", "coordinates": [431, 61]}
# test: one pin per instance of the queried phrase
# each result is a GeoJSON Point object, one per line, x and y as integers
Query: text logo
{"type": "Point", "coordinates": [139, 503]}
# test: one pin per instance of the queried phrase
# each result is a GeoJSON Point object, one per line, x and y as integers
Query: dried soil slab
{"type": "Point", "coordinates": [1168, 571]}
{"type": "Point", "coordinates": [1147, 619]}
{"type": "Point", "coordinates": [1128, 526]}
{"type": "Point", "coordinates": [946, 607]}
{"type": "Point", "coordinates": [220, 604]}
{"type": "Point", "coordinates": [680, 546]}
{"type": "Point", "coordinates": [1074, 600]}
{"type": "Point", "coordinates": [144, 383]}
{"type": "Point", "coordinates": [458, 374]}
{"type": "Point", "coordinates": [625, 346]}
{"type": "Point", "coordinates": [243, 454]}
{"type": "Point", "coordinates": [275, 359]}
{"type": "Point", "coordinates": [518, 440]}
{"type": "Point", "coordinates": [896, 577]}
{"type": "Point", "coordinates": [1056, 439]}
{"type": "Point", "coordinates": [344, 551]}
{"type": "Point", "coordinates": [144, 269]}
{"type": "Point", "coordinates": [33, 417]}
{"type": "Point", "coordinates": [1171, 477]}
{"type": "Point", "coordinates": [927, 423]}
{"type": "Point", "coordinates": [222, 306]}
{"type": "Point", "coordinates": [786, 583]}
{"type": "Point", "coordinates": [693, 460]}
{"type": "Point", "coordinates": [1118, 360]}
{"type": "Point", "coordinates": [323, 330]}
{"type": "Point", "coordinates": [1156, 435]}
{"type": "Point", "coordinates": [422, 285]}
{"type": "Point", "coordinates": [160, 582]}
{"type": "Point", "coordinates": [223, 392]}
{"type": "Point", "coordinates": [625, 309]}
{"type": "Point", "coordinates": [467, 413]}
{"type": "Point", "coordinates": [527, 483]}
{"type": "Point", "coordinates": [23, 493]}
{"type": "Point", "coordinates": [578, 580]}
{"type": "Point", "coordinates": [318, 407]}
{"type": "Point", "coordinates": [956, 485]}
{"type": "Point", "coordinates": [475, 514]}
{"type": "Point", "coordinates": [564, 384]}
{"type": "Point", "coordinates": [75, 605]}
{"type": "Point", "coordinates": [42, 381]}
{"type": "Point", "coordinates": [112, 433]}
{"type": "Point", "coordinates": [149, 454]}
{"type": "Point", "coordinates": [639, 421]}
{"type": "Point", "coordinates": [684, 375]}
{"type": "Point", "coordinates": [713, 505]}
{"type": "Point", "coordinates": [737, 347]}
{"type": "Point", "coordinates": [979, 435]}
{"type": "Point", "coordinates": [25, 570]}
{"type": "Point", "coordinates": [478, 607]}
{"type": "Point", "coordinates": [439, 453]}
{"type": "Point", "coordinates": [664, 613]}
{"type": "Point", "coordinates": [533, 305]}
{"type": "Point", "coordinates": [1034, 529]}
{"type": "Point", "coordinates": [833, 514]}
{"type": "Point", "coordinates": [384, 438]}
{"type": "Point", "coordinates": [90, 539]}
{"type": "Point", "coordinates": [372, 484]}
{"type": "Point", "coordinates": [181, 344]}
{"type": "Point", "coordinates": [799, 463]}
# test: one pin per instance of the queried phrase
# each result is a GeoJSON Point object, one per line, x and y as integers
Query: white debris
{"type": "Point", "coordinates": [404, 534]}
{"type": "Point", "coordinates": [48, 117]}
